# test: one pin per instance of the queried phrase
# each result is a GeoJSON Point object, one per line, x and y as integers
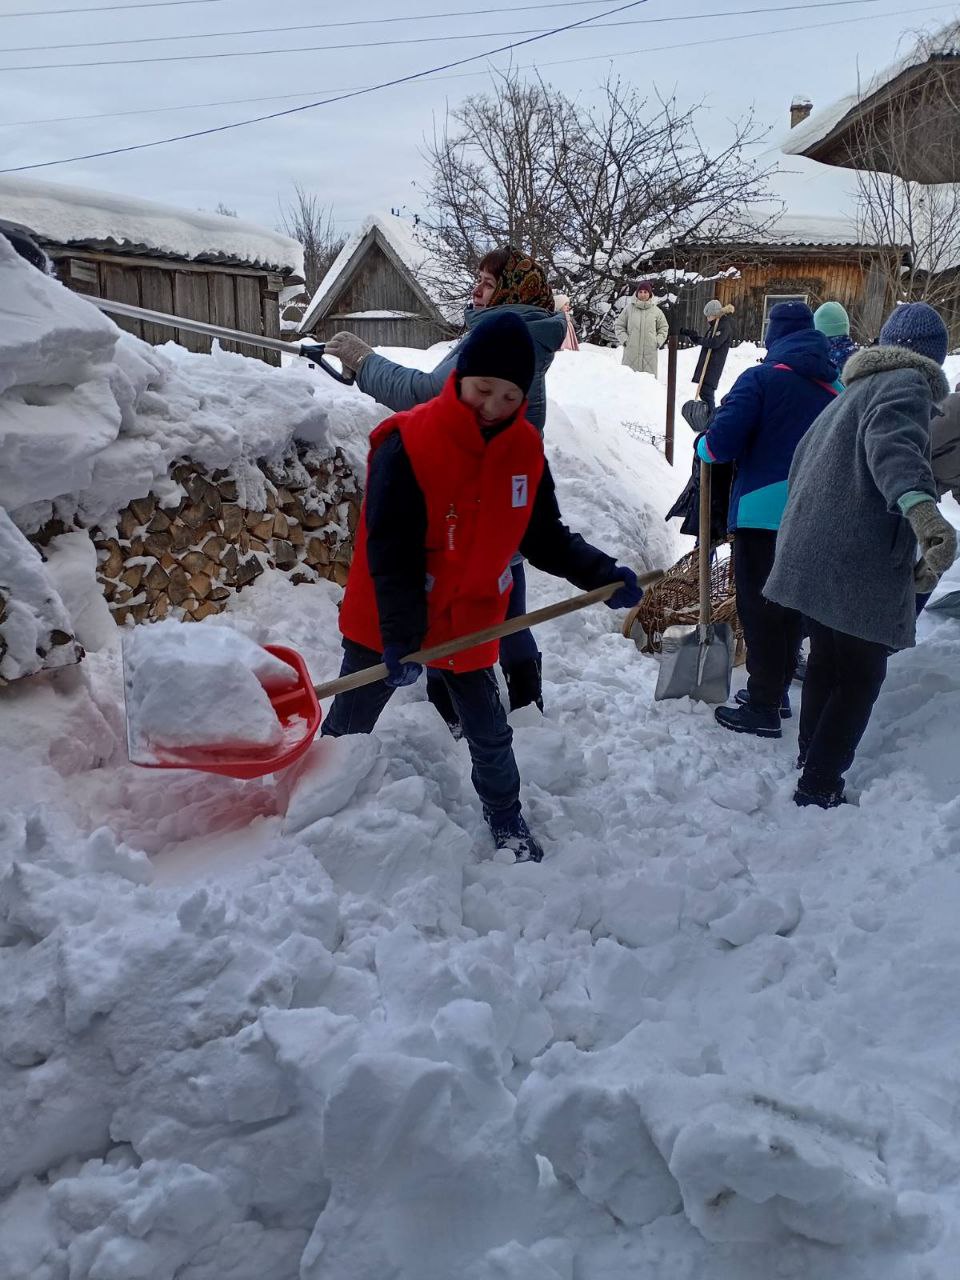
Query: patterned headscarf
{"type": "Point", "coordinates": [522, 282]}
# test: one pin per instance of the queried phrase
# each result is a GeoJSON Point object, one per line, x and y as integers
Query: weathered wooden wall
{"type": "Point", "coordinates": [230, 296]}
{"type": "Point", "coordinates": [377, 285]}
{"type": "Point", "coordinates": [859, 281]}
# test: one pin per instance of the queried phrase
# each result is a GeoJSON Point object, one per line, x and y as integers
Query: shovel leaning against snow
{"type": "Point", "coordinates": [697, 661]}
{"type": "Point", "coordinates": [301, 704]}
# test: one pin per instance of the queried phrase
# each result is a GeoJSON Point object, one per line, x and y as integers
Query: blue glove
{"type": "Point", "coordinates": [629, 594]}
{"type": "Point", "coordinates": [400, 673]}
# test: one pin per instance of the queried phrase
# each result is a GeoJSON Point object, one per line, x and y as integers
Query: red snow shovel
{"type": "Point", "coordinates": [302, 703]}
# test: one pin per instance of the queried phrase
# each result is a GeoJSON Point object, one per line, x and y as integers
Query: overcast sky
{"type": "Point", "coordinates": [364, 154]}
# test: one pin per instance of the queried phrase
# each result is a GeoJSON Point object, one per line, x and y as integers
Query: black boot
{"type": "Point", "coordinates": [524, 683]}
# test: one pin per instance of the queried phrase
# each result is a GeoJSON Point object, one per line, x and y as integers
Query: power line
{"type": "Point", "coordinates": [312, 26]}
{"type": "Point", "coordinates": [364, 44]}
{"type": "Point", "coordinates": [105, 8]}
{"type": "Point", "coordinates": [434, 74]}
{"type": "Point", "coordinates": [289, 111]}
{"type": "Point", "coordinates": [307, 93]}
{"type": "Point", "coordinates": [414, 17]}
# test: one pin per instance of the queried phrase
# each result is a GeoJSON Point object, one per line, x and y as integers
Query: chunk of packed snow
{"type": "Point", "coordinates": [35, 628]}
{"type": "Point", "coordinates": [195, 686]}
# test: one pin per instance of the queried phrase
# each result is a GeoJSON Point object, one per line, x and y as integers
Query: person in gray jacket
{"type": "Point", "coordinates": [861, 536]}
{"type": "Point", "coordinates": [511, 279]}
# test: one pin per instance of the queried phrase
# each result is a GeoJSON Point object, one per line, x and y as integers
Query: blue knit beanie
{"type": "Point", "coordinates": [787, 318]}
{"type": "Point", "coordinates": [831, 320]}
{"type": "Point", "coordinates": [499, 346]}
{"type": "Point", "coordinates": [917, 326]}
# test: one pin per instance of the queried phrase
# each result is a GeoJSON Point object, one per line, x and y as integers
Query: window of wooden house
{"type": "Point", "coordinates": [770, 300]}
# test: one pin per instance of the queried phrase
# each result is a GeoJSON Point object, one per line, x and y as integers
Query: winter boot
{"type": "Point", "coordinates": [750, 719]}
{"type": "Point", "coordinates": [800, 673]}
{"type": "Point", "coordinates": [510, 831]}
{"type": "Point", "coordinates": [807, 794]}
{"type": "Point", "coordinates": [524, 683]}
{"type": "Point", "coordinates": [438, 695]}
{"type": "Point", "coordinates": [786, 711]}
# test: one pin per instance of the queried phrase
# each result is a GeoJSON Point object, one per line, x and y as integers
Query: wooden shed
{"type": "Point", "coordinates": [904, 120]}
{"type": "Point", "coordinates": [382, 287]}
{"type": "Point", "coordinates": [805, 259]}
{"type": "Point", "coordinates": [201, 266]}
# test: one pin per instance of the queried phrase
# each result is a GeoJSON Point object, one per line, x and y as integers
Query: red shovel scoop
{"type": "Point", "coordinates": [300, 706]}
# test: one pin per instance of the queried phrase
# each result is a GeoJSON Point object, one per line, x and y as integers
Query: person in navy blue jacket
{"type": "Point", "coordinates": [758, 427]}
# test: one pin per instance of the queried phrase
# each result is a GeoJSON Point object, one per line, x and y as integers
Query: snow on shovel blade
{"type": "Point", "coordinates": [696, 662]}
{"type": "Point", "coordinates": [297, 708]}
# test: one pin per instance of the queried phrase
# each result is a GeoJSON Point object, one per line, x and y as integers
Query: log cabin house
{"type": "Point", "coordinates": [805, 259]}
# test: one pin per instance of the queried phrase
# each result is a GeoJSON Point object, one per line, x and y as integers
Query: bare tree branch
{"type": "Point", "coordinates": [307, 219]}
{"type": "Point", "coordinates": [589, 191]}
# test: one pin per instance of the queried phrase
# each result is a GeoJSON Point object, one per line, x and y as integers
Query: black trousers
{"type": "Point", "coordinates": [475, 698]}
{"type": "Point", "coordinates": [844, 678]}
{"type": "Point", "coordinates": [772, 633]}
{"type": "Point", "coordinates": [709, 396]}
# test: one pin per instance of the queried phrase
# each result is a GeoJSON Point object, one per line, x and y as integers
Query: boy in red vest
{"type": "Point", "coordinates": [455, 488]}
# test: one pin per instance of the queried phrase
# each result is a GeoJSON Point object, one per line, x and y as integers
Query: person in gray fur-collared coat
{"type": "Point", "coordinates": [861, 535]}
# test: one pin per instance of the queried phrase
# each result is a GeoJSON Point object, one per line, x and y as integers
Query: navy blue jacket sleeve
{"type": "Point", "coordinates": [737, 420]}
{"type": "Point", "coordinates": [549, 545]}
{"type": "Point", "coordinates": [396, 520]}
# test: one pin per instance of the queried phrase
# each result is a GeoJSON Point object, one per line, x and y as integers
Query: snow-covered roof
{"type": "Point", "coordinates": [408, 244]}
{"type": "Point", "coordinates": [77, 216]}
{"type": "Point", "coordinates": [803, 139]}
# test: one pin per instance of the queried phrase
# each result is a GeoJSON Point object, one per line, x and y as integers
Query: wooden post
{"type": "Point", "coordinates": [671, 394]}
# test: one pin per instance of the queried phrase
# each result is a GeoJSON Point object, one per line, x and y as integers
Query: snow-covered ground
{"type": "Point", "coordinates": [309, 1029]}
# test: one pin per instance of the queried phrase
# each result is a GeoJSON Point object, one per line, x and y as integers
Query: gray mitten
{"type": "Point", "coordinates": [350, 350]}
{"type": "Point", "coordinates": [937, 540]}
{"type": "Point", "coordinates": [924, 579]}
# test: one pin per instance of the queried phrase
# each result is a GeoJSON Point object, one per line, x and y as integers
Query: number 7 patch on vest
{"type": "Point", "coordinates": [520, 491]}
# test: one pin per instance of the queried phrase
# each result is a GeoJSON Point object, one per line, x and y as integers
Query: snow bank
{"type": "Point", "coordinates": [91, 417]}
{"type": "Point", "coordinates": [99, 219]}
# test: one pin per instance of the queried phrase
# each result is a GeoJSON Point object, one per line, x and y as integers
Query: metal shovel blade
{"type": "Point", "coordinates": [696, 662]}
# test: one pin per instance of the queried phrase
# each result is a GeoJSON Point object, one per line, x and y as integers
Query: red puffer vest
{"type": "Point", "coordinates": [479, 497]}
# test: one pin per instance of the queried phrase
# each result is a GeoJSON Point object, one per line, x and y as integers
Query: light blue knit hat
{"type": "Point", "coordinates": [917, 326]}
{"type": "Point", "coordinates": [832, 320]}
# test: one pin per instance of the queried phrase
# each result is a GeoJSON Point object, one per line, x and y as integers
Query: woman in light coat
{"type": "Point", "coordinates": [641, 330]}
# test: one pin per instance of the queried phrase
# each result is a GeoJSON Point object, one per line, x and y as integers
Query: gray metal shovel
{"type": "Point", "coordinates": [697, 661]}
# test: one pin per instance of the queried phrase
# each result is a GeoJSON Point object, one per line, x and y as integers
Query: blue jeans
{"type": "Point", "coordinates": [476, 700]}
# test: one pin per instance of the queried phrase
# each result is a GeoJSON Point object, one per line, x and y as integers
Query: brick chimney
{"type": "Point", "coordinates": [800, 109]}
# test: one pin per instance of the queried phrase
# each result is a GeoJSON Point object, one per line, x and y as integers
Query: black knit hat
{"type": "Point", "coordinates": [499, 346]}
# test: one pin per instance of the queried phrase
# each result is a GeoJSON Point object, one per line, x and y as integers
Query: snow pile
{"type": "Point", "coordinates": [69, 215]}
{"type": "Point", "coordinates": [91, 417]}
{"type": "Point", "coordinates": [190, 686]}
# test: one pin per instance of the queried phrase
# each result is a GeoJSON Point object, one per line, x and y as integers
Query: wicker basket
{"type": "Point", "coordinates": [675, 600]}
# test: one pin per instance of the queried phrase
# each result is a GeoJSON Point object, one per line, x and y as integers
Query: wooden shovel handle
{"type": "Point", "coordinates": [370, 675]}
{"type": "Point", "coordinates": [706, 363]}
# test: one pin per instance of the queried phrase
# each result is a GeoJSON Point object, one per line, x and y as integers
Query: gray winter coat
{"type": "Point", "coordinates": [945, 435]}
{"type": "Point", "coordinates": [845, 554]}
{"type": "Point", "coordinates": [641, 329]}
{"type": "Point", "coordinates": [399, 387]}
